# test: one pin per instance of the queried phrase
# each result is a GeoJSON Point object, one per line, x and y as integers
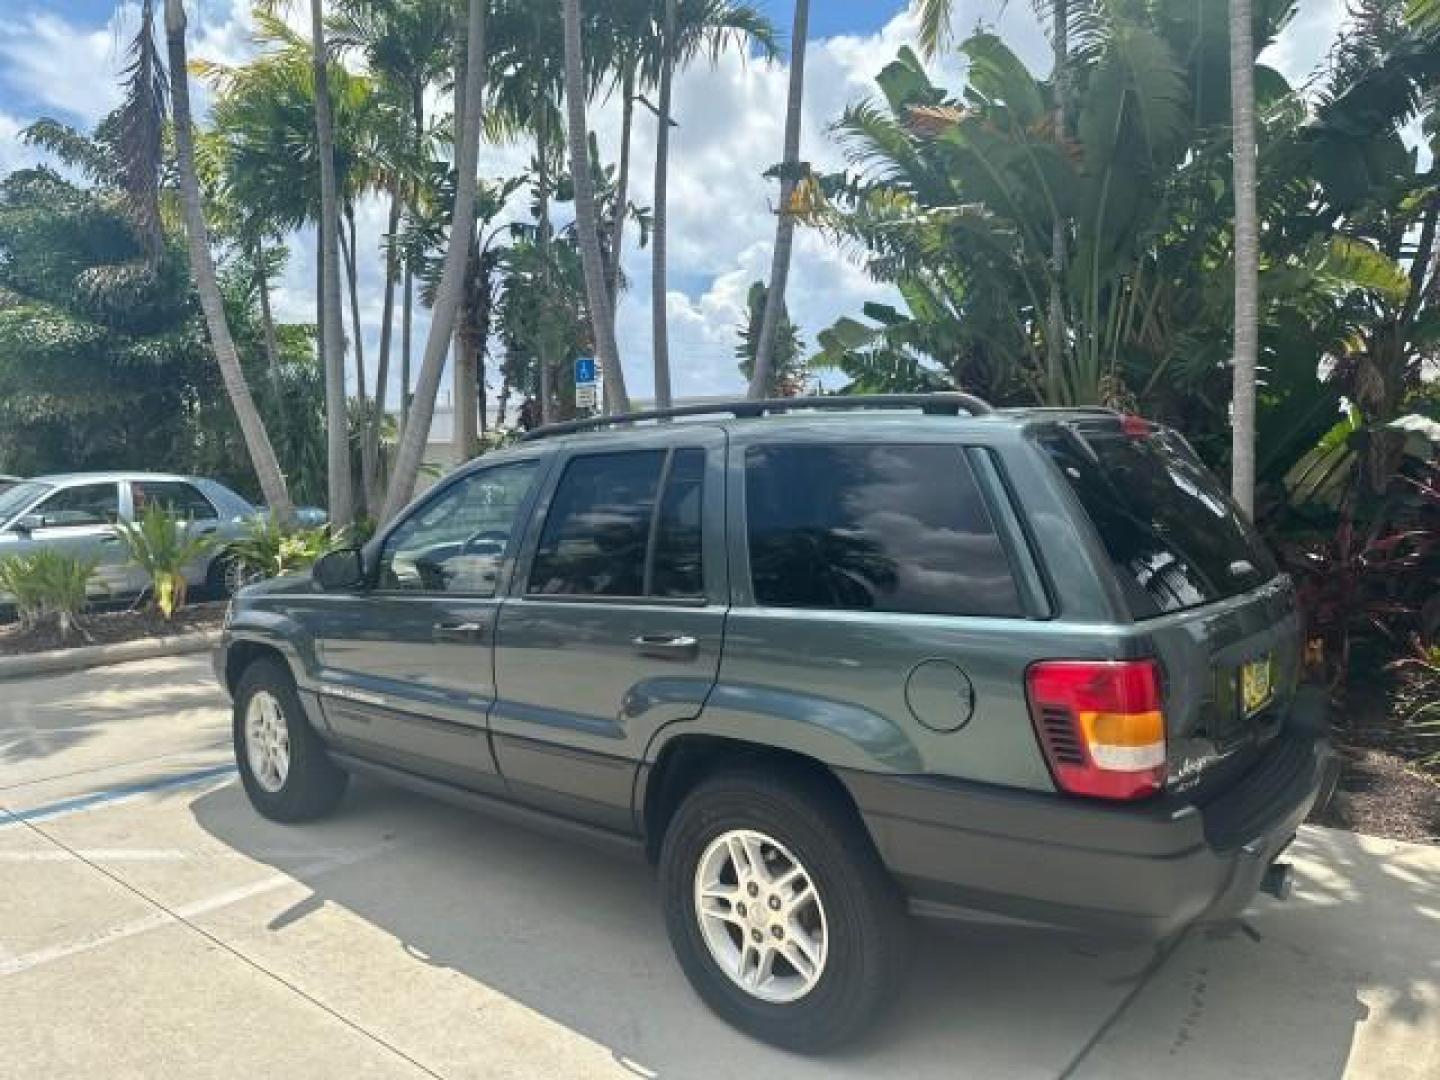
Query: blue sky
{"type": "Point", "coordinates": [60, 57]}
{"type": "Point", "coordinates": [827, 19]}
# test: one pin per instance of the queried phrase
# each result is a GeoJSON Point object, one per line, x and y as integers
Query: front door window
{"type": "Point", "coordinates": [80, 507]}
{"type": "Point", "coordinates": [456, 542]}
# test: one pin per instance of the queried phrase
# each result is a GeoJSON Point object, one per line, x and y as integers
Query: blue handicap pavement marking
{"type": "Point", "coordinates": [98, 798]}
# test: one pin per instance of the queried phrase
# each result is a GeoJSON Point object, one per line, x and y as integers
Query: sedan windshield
{"type": "Point", "coordinates": [17, 498]}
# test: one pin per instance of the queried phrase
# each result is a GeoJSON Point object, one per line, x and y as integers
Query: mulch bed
{"type": "Point", "coordinates": [112, 628]}
{"type": "Point", "coordinates": [1381, 794]}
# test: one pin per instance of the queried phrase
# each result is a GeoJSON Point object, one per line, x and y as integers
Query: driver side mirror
{"type": "Point", "coordinates": [30, 523]}
{"type": "Point", "coordinates": [342, 570]}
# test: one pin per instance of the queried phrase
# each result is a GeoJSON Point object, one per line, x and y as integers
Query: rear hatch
{"type": "Point", "coordinates": [1206, 595]}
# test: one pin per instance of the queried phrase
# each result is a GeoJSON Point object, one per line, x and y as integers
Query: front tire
{"type": "Point", "coordinates": [227, 576]}
{"type": "Point", "coordinates": [779, 910]}
{"type": "Point", "coordinates": [283, 765]}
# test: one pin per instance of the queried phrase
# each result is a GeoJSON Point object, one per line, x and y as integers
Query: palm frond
{"type": "Point", "coordinates": [141, 144]}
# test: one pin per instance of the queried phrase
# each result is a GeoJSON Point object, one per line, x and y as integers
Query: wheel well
{"type": "Point", "coordinates": [688, 760]}
{"type": "Point", "coordinates": [244, 653]}
{"type": "Point", "coordinates": [218, 558]}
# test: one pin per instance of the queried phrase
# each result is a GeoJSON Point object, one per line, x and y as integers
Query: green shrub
{"type": "Point", "coordinates": [268, 550]}
{"type": "Point", "coordinates": [162, 545]}
{"type": "Point", "coordinates": [49, 589]}
{"type": "Point", "coordinates": [1417, 701]}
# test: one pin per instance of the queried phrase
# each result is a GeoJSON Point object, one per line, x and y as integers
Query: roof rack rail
{"type": "Point", "coordinates": [940, 404]}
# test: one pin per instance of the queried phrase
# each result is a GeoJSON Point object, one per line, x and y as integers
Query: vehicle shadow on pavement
{"type": "Point", "coordinates": [461, 913]}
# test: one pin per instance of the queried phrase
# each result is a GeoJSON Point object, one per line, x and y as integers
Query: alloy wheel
{"type": "Point", "coordinates": [267, 741]}
{"type": "Point", "coordinates": [761, 916]}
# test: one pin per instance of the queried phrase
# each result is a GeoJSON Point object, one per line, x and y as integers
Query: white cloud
{"type": "Point", "coordinates": [1301, 47]}
{"type": "Point", "coordinates": [14, 154]}
{"type": "Point", "coordinates": [62, 67]}
{"type": "Point", "coordinates": [730, 131]}
{"type": "Point", "coordinates": [722, 223]}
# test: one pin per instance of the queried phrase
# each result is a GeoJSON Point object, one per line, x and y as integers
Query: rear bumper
{"type": "Point", "coordinates": [1126, 871]}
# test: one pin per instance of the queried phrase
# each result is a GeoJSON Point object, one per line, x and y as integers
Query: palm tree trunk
{"type": "Point", "coordinates": [417, 111]}
{"type": "Point", "coordinates": [452, 278]}
{"type": "Point", "coordinates": [622, 190]}
{"type": "Point", "coordinates": [1247, 254]}
{"type": "Point", "coordinates": [374, 491]}
{"type": "Point", "coordinates": [267, 316]}
{"type": "Point", "coordinates": [659, 252]}
{"type": "Point", "coordinates": [337, 424]}
{"type": "Point", "coordinates": [368, 463]}
{"type": "Point", "coordinates": [502, 400]}
{"type": "Point", "coordinates": [463, 429]}
{"type": "Point", "coordinates": [763, 375]}
{"type": "Point", "coordinates": [202, 266]}
{"type": "Point", "coordinates": [407, 320]}
{"type": "Point", "coordinates": [466, 431]}
{"type": "Point", "coordinates": [319, 297]}
{"type": "Point", "coordinates": [586, 223]}
{"type": "Point", "coordinates": [543, 338]}
{"type": "Point", "coordinates": [1055, 337]}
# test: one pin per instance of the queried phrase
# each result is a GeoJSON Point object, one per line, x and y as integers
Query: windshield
{"type": "Point", "coordinates": [1173, 535]}
{"type": "Point", "coordinates": [16, 499]}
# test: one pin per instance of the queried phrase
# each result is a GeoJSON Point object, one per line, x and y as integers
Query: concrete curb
{"type": "Point", "coordinates": [93, 656]}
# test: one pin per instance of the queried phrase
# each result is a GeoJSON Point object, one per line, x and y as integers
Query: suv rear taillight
{"type": "Point", "coordinates": [1100, 724]}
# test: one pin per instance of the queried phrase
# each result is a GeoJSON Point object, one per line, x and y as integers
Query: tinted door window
{"type": "Point", "coordinates": [182, 500]}
{"type": "Point", "coordinates": [676, 568]}
{"type": "Point", "coordinates": [607, 533]}
{"type": "Point", "coordinates": [873, 528]}
{"type": "Point", "coordinates": [1172, 533]}
{"type": "Point", "coordinates": [87, 505]}
{"type": "Point", "coordinates": [456, 542]}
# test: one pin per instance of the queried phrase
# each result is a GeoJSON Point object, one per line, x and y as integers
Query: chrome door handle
{"type": "Point", "coordinates": [465, 633]}
{"type": "Point", "coordinates": [667, 646]}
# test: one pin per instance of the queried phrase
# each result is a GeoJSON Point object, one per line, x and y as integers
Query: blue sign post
{"type": "Point", "coordinates": [587, 378]}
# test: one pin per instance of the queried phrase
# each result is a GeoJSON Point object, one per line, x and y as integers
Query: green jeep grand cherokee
{"type": "Point", "coordinates": [823, 661]}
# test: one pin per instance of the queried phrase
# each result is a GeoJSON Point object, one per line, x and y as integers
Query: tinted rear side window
{"type": "Point", "coordinates": [1173, 535]}
{"type": "Point", "coordinates": [610, 533]}
{"type": "Point", "coordinates": [182, 500]}
{"type": "Point", "coordinates": [873, 528]}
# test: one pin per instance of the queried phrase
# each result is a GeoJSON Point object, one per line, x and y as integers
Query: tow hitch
{"type": "Point", "coordinates": [1279, 880]}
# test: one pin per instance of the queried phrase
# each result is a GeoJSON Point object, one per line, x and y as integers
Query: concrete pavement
{"type": "Point", "coordinates": [152, 925]}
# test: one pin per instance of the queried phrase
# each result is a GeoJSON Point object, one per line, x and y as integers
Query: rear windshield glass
{"type": "Point", "coordinates": [1174, 537]}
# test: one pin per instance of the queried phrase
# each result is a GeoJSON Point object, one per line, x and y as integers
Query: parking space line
{"type": "Point", "coordinates": [220, 744]}
{"type": "Point", "coordinates": [149, 855]}
{"type": "Point", "coordinates": [185, 915]}
{"type": "Point", "coordinates": [14, 965]}
{"type": "Point", "coordinates": [113, 795]}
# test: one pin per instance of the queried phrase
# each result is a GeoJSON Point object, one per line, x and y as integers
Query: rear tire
{"type": "Point", "coordinates": [283, 764]}
{"type": "Point", "coordinates": [849, 941]}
